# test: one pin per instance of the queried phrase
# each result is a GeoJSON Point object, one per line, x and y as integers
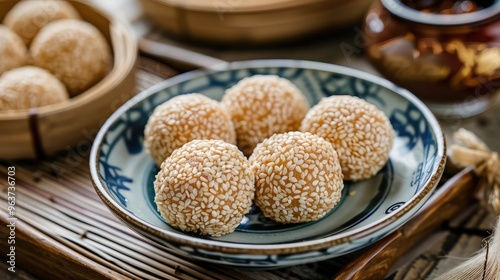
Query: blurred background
{"type": "Point", "coordinates": [338, 32]}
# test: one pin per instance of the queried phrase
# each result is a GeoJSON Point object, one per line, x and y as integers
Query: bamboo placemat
{"type": "Point", "coordinates": [64, 231]}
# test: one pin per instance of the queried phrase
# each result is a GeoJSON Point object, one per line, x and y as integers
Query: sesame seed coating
{"type": "Point", "coordinates": [13, 52]}
{"type": "Point", "coordinates": [206, 186]}
{"type": "Point", "coordinates": [361, 133]}
{"type": "Point", "coordinates": [263, 105]}
{"type": "Point", "coordinates": [297, 177]}
{"type": "Point", "coordinates": [28, 87]}
{"type": "Point", "coordinates": [185, 118]}
{"type": "Point", "coordinates": [26, 18]}
{"type": "Point", "coordinates": [74, 51]}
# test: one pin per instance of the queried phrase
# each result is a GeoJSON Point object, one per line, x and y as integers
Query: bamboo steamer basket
{"type": "Point", "coordinates": [256, 22]}
{"type": "Point", "coordinates": [72, 125]}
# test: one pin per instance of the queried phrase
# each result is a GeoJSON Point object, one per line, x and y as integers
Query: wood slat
{"type": "Point", "coordinates": [61, 125]}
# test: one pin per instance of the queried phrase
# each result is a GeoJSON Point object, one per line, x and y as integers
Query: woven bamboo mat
{"type": "Point", "coordinates": [55, 198]}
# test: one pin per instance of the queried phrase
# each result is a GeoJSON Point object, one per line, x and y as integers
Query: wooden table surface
{"type": "Point", "coordinates": [445, 248]}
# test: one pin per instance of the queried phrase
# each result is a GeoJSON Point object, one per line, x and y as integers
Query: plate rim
{"type": "Point", "coordinates": [258, 249]}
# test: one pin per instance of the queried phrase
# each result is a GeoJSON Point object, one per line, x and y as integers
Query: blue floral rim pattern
{"type": "Point", "coordinates": [414, 124]}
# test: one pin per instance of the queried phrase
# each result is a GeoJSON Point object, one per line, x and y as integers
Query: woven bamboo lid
{"type": "Point", "coordinates": [252, 22]}
{"type": "Point", "coordinates": [71, 125]}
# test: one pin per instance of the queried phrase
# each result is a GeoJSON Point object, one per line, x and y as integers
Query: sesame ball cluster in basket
{"type": "Point", "coordinates": [50, 35]}
{"type": "Point", "coordinates": [298, 157]}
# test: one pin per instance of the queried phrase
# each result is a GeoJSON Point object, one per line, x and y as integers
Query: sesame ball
{"type": "Point", "coordinates": [297, 177]}
{"type": "Point", "coordinates": [28, 87]}
{"type": "Point", "coordinates": [13, 52]}
{"type": "Point", "coordinates": [182, 119]}
{"type": "Point", "coordinates": [74, 51]}
{"type": "Point", "coordinates": [206, 187]}
{"type": "Point", "coordinates": [263, 105]}
{"type": "Point", "coordinates": [26, 18]}
{"type": "Point", "coordinates": [361, 133]}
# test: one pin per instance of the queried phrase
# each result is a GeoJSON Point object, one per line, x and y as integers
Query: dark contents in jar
{"type": "Point", "coordinates": [451, 7]}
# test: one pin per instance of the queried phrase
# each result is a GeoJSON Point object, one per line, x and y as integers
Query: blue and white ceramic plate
{"type": "Point", "coordinates": [123, 173]}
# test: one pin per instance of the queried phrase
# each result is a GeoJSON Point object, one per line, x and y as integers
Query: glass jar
{"type": "Point", "coordinates": [445, 52]}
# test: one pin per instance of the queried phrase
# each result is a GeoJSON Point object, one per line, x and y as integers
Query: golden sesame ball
{"type": "Point", "coordinates": [297, 177]}
{"type": "Point", "coordinates": [206, 187]}
{"type": "Point", "coordinates": [361, 133]}
{"type": "Point", "coordinates": [75, 51]}
{"type": "Point", "coordinates": [26, 18]}
{"type": "Point", "coordinates": [13, 52]}
{"type": "Point", "coordinates": [185, 118]}
{"type": "Point", "coordinates": [28, 87]}
{"type": "Point", "coordinates": [263, 105]}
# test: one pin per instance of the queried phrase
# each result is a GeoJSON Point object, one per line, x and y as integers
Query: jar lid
{"type": "Point", "coordinates": [401, 10]}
